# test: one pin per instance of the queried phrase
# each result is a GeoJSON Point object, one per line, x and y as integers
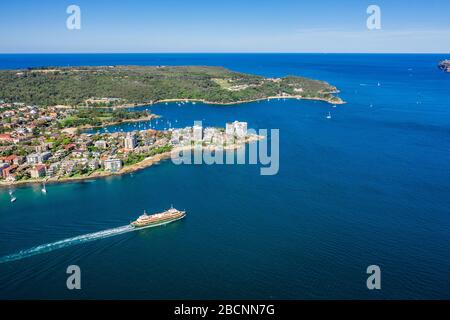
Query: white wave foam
{"type": "Point", "coordinates": [66, 243]}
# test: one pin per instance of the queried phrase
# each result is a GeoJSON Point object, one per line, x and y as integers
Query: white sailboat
{"type": "Point", "coordinates": [13, 199]}
{"type": "Point", "coordinates": [44, 189]}
{"type": "Point", "coordinates": [329, 115]}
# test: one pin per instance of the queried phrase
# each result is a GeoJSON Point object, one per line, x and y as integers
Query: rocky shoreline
{"type": "Point", "coordinates": [298, 97]}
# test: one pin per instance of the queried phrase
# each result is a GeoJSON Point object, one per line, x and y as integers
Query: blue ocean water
{"type": "Point", "coordinates": [369, 186]}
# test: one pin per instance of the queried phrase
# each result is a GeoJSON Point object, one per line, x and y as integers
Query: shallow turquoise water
{"type": "Point", "coordinates": [369, 186]}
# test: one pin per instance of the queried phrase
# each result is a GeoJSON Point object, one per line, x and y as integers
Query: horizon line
{"type": "Point", "coordinates": [225, 52]}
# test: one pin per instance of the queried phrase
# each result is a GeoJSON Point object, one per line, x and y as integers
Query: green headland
{"type": "Point", "coordinates": [140, 85]}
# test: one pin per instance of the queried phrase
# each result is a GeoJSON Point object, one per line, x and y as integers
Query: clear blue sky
{"type": "Point", "coordinates": [225, 26]}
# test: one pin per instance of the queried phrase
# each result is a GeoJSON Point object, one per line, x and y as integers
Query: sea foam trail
{"type": "Point", "coordinates": [66, 243]}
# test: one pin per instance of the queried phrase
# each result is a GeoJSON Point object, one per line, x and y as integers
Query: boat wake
{"type": "Point", "coordinates": [66, 243]}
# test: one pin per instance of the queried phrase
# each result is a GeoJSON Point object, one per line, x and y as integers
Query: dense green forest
{"type": "Point", "coordinates": [99, 117]}
{"type": "Point", "coordinates": [138, 85]}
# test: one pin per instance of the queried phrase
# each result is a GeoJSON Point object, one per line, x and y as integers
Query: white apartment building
{"type": "Point", "coordinates": [101, 144]}
{"type": "Point", "coordinates": [130, 141]}
{"type": "Point", "coordinates": [113, 165]}
{"type": "Point", "coordinates": [236, 128]}
{"type": "Point", "coordinates": [36, 158]}
{"type": "Point", "coordinates": [197, 132]}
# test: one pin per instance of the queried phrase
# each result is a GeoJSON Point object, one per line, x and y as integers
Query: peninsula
{"type": "Point", "coordinates": [143, 85]}
{"type": "Point", "coordinates": [45, 112]}
{"type": "Point", "coordinates": [35, 149]}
